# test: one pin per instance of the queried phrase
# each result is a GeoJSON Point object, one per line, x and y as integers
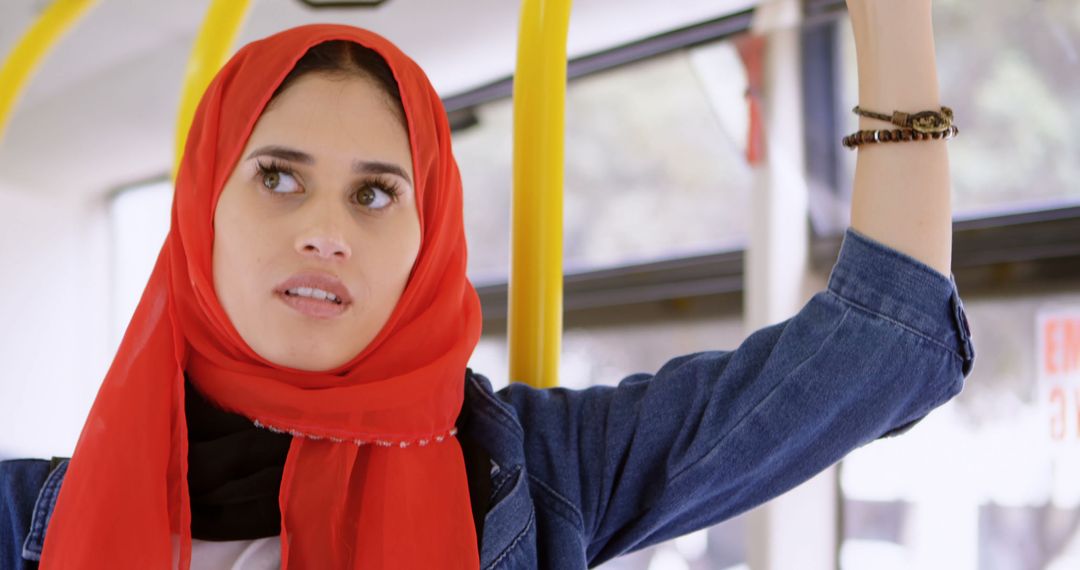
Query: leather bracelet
{"type": "Point", "coordinates": [924, 125]}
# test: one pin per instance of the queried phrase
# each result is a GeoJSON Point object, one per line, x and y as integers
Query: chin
{"type": "Point", "coordinates": [287, 352]}
{"type": "Point", "coordinates": [310, 365]}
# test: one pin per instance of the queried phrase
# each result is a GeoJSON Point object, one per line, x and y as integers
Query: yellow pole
{"type": "Point", "coordinates": [20, 65]}
{"type": "Point", "coordinates": [535, 296]}
{"type": "Point", "coordinates": [211, 51]}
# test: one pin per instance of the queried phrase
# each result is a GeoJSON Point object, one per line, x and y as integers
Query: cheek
{"type": "Point", "coordinates": [229, 273]}
{"type": "Point", "coordinates": [240, 258]}
{"type": "Point", "coordinates": [238, 250]}
{"type": "Point", "coordinates": [391, 259]}
{"type": "Point", "coordinates": [408, 247]}
{"type": "Point", "coordinates": [387, 269]}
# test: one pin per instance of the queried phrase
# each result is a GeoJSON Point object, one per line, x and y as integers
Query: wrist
{"type": "Point", "coordinates": [910, 92]}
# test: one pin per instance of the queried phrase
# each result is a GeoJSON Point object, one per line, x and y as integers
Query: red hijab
{"type": "Point", "coordinates": [374, 476]}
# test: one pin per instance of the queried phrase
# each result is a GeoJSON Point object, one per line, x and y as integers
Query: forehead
{"type": "Point", "coordinates": [349, 114]}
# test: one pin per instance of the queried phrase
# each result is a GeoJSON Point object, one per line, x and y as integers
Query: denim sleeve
{"type": "Point", "coordinates": [21, 481]}
{"type": "Point", "coordinates": [713, 434]}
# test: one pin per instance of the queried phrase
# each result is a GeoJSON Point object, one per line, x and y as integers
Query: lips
{"type": "Point", "coordinates": [314, 294]}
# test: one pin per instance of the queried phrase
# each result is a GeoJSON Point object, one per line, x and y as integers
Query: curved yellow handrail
{"type": "Point", "coordinates": [535, 296]}
{"type": "Point", "coordinates": [219, 30]}
{"type": "Point", "coordinates": [32, 48]}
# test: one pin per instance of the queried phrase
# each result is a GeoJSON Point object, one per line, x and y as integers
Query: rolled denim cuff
{"type": "Point", "coordinates": [902, 289]}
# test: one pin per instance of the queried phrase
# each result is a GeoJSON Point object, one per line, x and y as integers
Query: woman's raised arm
{"type": "Point", "coordinates": [902, 191]}
{"type": "Point", "coordinates": [713, 434]}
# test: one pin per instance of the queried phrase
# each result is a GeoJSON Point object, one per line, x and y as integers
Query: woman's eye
{"type": "Point", "coordinates": [277, 180]}
{"type": "Point", "coordinates": [373, 197]}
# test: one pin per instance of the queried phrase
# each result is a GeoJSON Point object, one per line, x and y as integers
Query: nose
{"type": "Point", "coordinates": [324, 246]}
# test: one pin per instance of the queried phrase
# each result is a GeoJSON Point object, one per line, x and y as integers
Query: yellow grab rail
{"type": "Point", "coordinates": [536, 291]}
{"type": "Point", "coordinates": [219, 30]}
{"type": "Point", "coordinates": [20, 65]}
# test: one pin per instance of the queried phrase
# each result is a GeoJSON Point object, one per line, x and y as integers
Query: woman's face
{"type": "Point", "coordinates": [312, 199]}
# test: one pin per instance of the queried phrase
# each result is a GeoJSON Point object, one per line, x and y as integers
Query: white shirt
{"type": "Point", "coordinates": [257, 554]}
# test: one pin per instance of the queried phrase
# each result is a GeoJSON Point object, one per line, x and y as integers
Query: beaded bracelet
{"type": "Point", "coordinates": [924, 125]}
{"type": "Point", "coordinates": [895, 135]}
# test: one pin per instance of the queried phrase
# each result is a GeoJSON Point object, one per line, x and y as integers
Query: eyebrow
{"type": "Point", "coordinates": [358, 166]}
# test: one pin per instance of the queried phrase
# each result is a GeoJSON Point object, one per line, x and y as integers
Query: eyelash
{"type": "Point", "coordinates": [380, 182]}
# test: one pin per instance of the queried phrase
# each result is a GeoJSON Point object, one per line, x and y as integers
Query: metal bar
{"type": "Point", "coordinates": [1013, 250]}
{"type": "Point", "coordinates": [534, 328]}
{"type": "Point", "coordinates": [685, 278]}
{"type": "Point", "coordinates": [24, 60]}
{"type": "Point", "coordinates": [219, 30]}
{"type": "Point", "coordinates": [660, 44]}
{"type": "Point", "coordinates": [633, 52]}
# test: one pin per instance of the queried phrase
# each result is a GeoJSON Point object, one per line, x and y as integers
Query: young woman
{"type": "Point", "coordinates": [292, 389]}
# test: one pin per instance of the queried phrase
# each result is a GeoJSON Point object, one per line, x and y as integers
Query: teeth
{"type": "Point", "coordinates": [314, 294]}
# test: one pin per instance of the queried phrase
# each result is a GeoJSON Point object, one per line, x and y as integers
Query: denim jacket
{"type": "Point", "coordinates": [579, 477]}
